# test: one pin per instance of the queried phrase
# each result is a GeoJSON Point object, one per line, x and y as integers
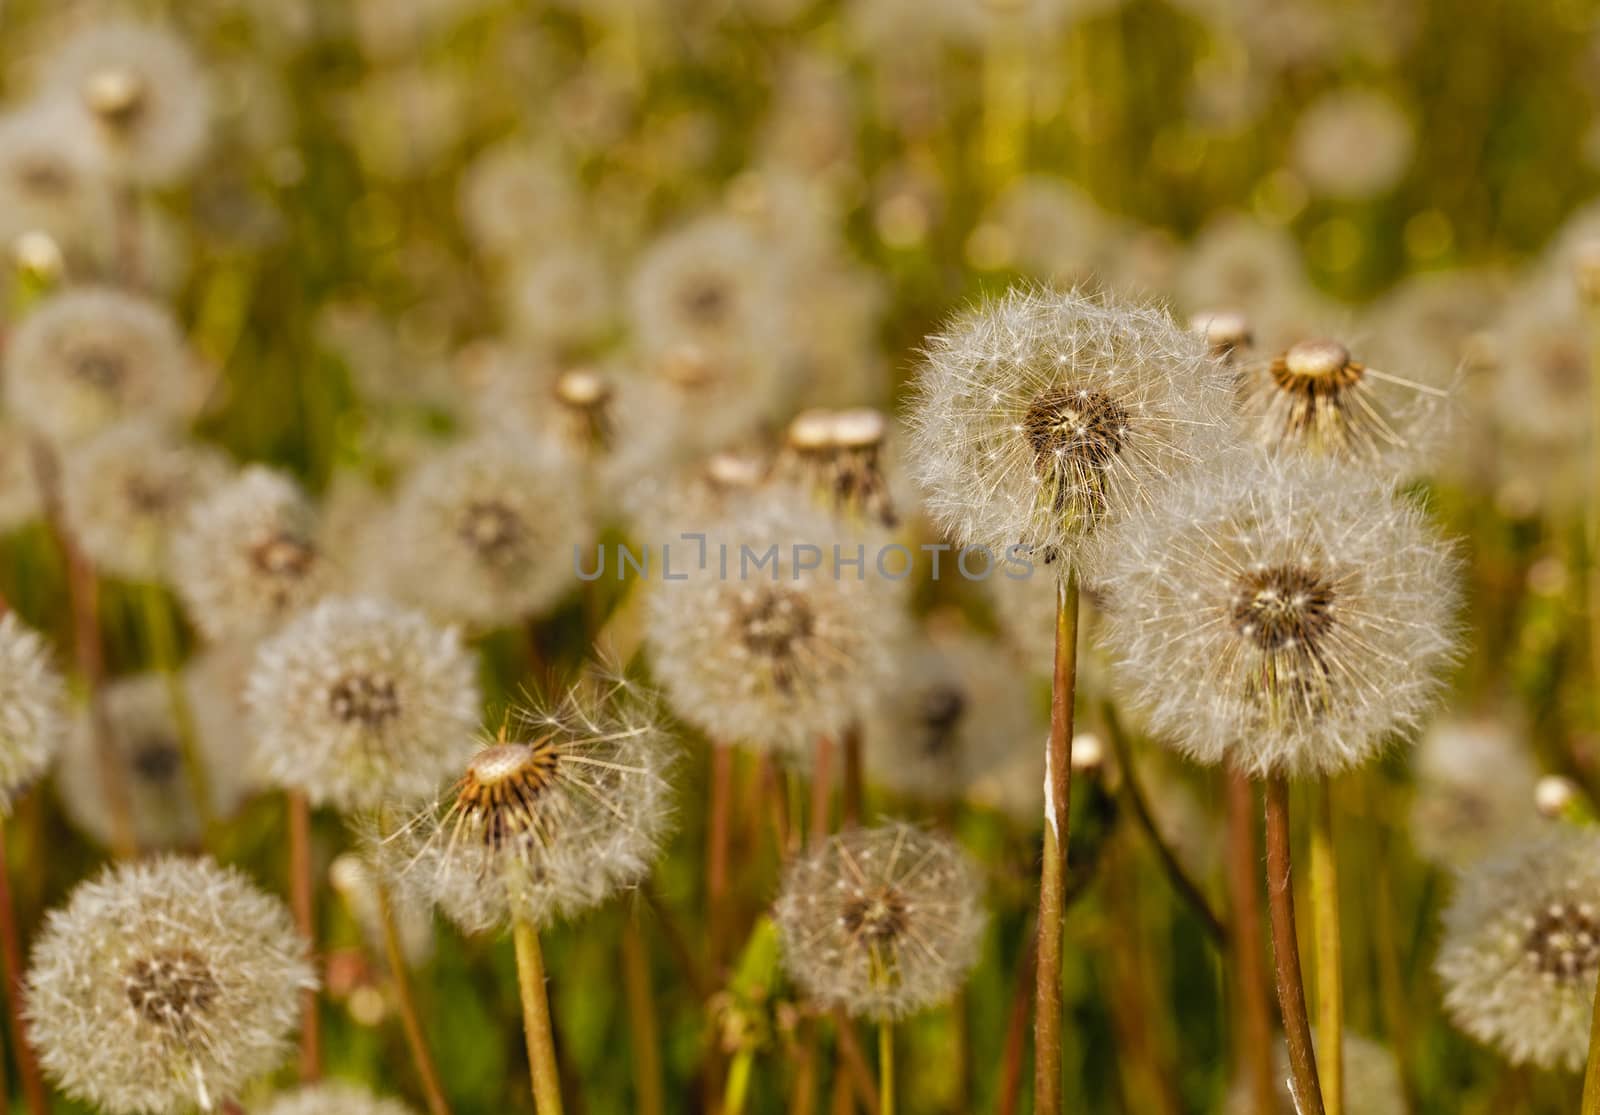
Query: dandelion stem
{"type": "Point", "coordinates": [1253, 1025]}
{"type": "Point", "coordinates": [1591, 1074]}
{"type": "Point", "coordinates": [302, 896]}
{"type": "Point", "coordinates": [83, 598]}
{"type": "Point", "coordinates": [1052, 876]}
{"type": "Point", "coordinates": [738, 1085]}
{"type": "Point", "coordinates": [717, 835]}
{"type": "Point", "coordinates": [1286, 951]}
{"type": "Point", "coordinates": [648, 1096]}
{"type": "Point", "coordinates": [853, 1062]}
{"type": "Point", "coordinates": [821, 791]}
{"type": "Point", "coordinates": [1325, 919]}
{"type": "Point", "coordinates": [853, 790]}
{"type": "Point", "coordinates": [410, 1020]}
{"type": "Point", "coordinates": [536, 1023]}
{"type": "Point", "coordinates": [1186, 887]}
{"type": "Point", "coordinates": [885, 1067]}
{"type": "Point", "coordinates": [11, 947]}
{"type": "Point", "coordinates": [1015, 1048]}
{"type": "Point", "coordinates": [162, 634]}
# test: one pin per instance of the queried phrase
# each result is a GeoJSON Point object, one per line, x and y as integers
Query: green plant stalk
{"type": "Point", "coordinates": [1591, 1073]}
{"type": "Point", "coordinates": [1052, 874]}
{"type": "Point", "coordinates": [1328, 950]}
{"type": "Point", "coordinates": [162, 634]}
{"type": "Point", "coordinates": [885, 1067]}
{"type": "Point", "coordinates": [737, 1088]}
{"type": "Point", "coordinates": [410, 1019]}
{"type": "Point", "coordinates": [642, 1030]}
{"type": "Point", "coordinates": [33, 1091]}
{"type": "Point", "coordinates": [1286, 951]}
{"type": "Point", "coordinates": [536, 1024]}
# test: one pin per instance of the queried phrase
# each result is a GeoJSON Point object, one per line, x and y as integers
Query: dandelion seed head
{"type": "Point", "coordinates": [1371, 1080]}
{"type": "Point", "coordinates": [484, 532]}
{"type": "Point", "coordinates": [49, 175]}
{"type": "Point", "coordinates": [32, 708]}
{"type": "Point", "coordinates": [515, 199]}
{"type": "Point", "coordinates": [563, 297]}
{"type": "Point", "coordinates": [125, 491]}
{"type": "Point", "coordinates": [89, 357]}
{"type": "Point", "coordinates": [148, 98]}
{"type": "Point", "coordinates": [883, 922]}
{"type": "Point", "coordinates": [1289, 613]}
{"type": "Point", "coordinates": [1475, 790]}
{"type": "Point", "coordinates": [164, 985]}
{"type": "Point", "coordinates": [773, 657]}
{"type": "Point", "coordinates": [361, 704]}
{"type": "Point", "coordinates": [841, 458]}
{"type": "Point", "coordinates": [1352, 144]}
{"type": "Point", "coordinates": [1041, 416]}
{"type": "Point", "coordinates": [1521, 949]}
{"type": "Point", "coordinates": [249, 556]}
{"type": "Point", "coordinates": [1227, 332]}
{"type": "Point", "coordinates": [564, 807]}
{"type": "Point", "coordinates": [148, 753]}
{"type": "Point", "coordinates": [957, 722]}
{"type": "Point", "coordinates": [1553, 795]}
{"type": "Point", "coordinates": [1542, 387]}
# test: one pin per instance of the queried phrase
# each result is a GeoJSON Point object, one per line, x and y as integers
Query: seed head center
{"type": "Point", "coordinates": [1284, 606]}
{"type": "Point", "coordinates": [369, 699]}
{"type": "Point", "coordinates": [499, 795]}
{"type": "Point", "coordinates": [172, 989]}
{"type": "Point", "coordinates": [941, 711]}
{"type": "Point", "coordinates": [875, 917]}
{"type": "Point", "coordinates": [494, 531]}
{"type": "Point", "coordinates": [1076, 427]}
{"type": "Point", "coordinates": [1563, 940]}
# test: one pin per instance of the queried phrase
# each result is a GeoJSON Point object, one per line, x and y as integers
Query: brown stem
{"type": "Point", "coordinates": [1052, 875]}
{"type": "Point", "coordinates": [83, 597]}
{"type": "Point", "coordinates": [11, 948]}
{"type": "Point", "coordinates": [772, 782]}
{"type": "Point", "coordinates": [644, 1036]}
{"type": "Point", "coordinates": [854, 783]}
{"type": "Point", "coordinates": [672, 934]}
{"type": "Point", "coordinates": [821, 791]}
{"type": "Point", "coordinates": [1286, 951]}
{"type": "Point", "coordinates": [410, 1020]}
{"type": "Point", "coordinates": [853, 1063]}
{"type": "Point", "coordinates": [302, 894]}
{"type": "Point", "coordinates": [1016, 1043]}
{"type": "Point", "coordinates": [1176, 873]}
{"type": "Point", "coordinates": [718, 826]}
{"type": "Point", "coordinates": [1253, 1013]}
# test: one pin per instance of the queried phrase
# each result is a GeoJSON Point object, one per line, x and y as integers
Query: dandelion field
{"type": "Point", "coordinates": [850, 556]}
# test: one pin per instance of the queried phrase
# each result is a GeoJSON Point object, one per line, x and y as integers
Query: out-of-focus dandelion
{"type": "Point", "coordinates": [1475, 790]}
{"type": "Point", "coordinates": [333, 1099]}
{"type": "Point", "coordinates": [1352, 144]}
{"type": "Point", "coordinates": [563, 297]}
{"type": "Point", "coordinates": [1542, 386]}
{"type": "Point", "coordinates": [361, 704]}
{"type": "Point", "coordinates": [164, 985]}
{"type": "Point", "coordinates": [956, 722]}
{"type": "Point", "coordinates": [149, 100]}
{"type": "Point", "coordinates": [568, 805]}
{"type": "Point", "coordinates": [20, 501]}
{"type": "Point", "coordinates": [1372, 1086]}
{"type": "Point", "coordinates": [774, 656]}
{"type": "Point", "coordinates": [485, 532]}
{"type": "Point", "coordinates": [125, 491]}
{"type": "Point", "coordinates": [1521, 949]}
{"type": "Point", "coordinates": [248, 556]}
{"type": "Point", "coordinates": [842, 457]}
{"type": "Point", "coordinates": [89, 357]}
{"type": "Point", "coordinates": [516, 198]}
{"type": "Point", "coordinates": [49, 175]}
{"type": "Point", "coordinates": [32, 708]}
{"type": "Point", "coordinates": [149, 751]}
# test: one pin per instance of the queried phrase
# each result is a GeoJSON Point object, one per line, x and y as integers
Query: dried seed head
{"type": "Point", "coordinates": [165, 985]}
{"type": "Point", "coordinates": [1316, 397]}
{"type": "Point", "coordinates": [361, 704]}
{"type": "Point", "coordinates": [564, 808]}
{"type": "Point", "coordinates": [249, 556]}
{"type": "Point", "coordinates": [883, 922]}
{"type": "Point", "coordinates": [149, 758]}
{"type": "Point", "coordinates": [88, 358]}
{"type": "Point", "coordinates": [1554, 795]}
{"type": "Point", "coordinates": [1475, 790]}
{"type": "Point", "coordinates": [124, 492]}
{"type": "Point", "coordinates": [563, 297]}
{"type": "Point", "coordinates": [141, 86]}
{"type": "Point", "coordinates": [1521, 949]}
{"type": "Point", "coordinates": [773, 656]}
{"type": "Point", "coordinates": [32, 708]}
{"type": "Point", "coordinates": [334, 1099]}
{"type": "Point", "coordinates": [1543, 387]}
{"type": "Point", "coordinates": [1042, 416]}
{"type": "Point", "coordinates": [484, 533]}
{"type": "Point", "coordinates": [1225, 331]}
{"type": "Point", "coordinates": [49, 180]}
{"type": "Point", "coordinates": [1289, 613]}
{"type": "Point", "coordinates": [839, 456]}
{"type": "Point", "coordinates": [516, 199]}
